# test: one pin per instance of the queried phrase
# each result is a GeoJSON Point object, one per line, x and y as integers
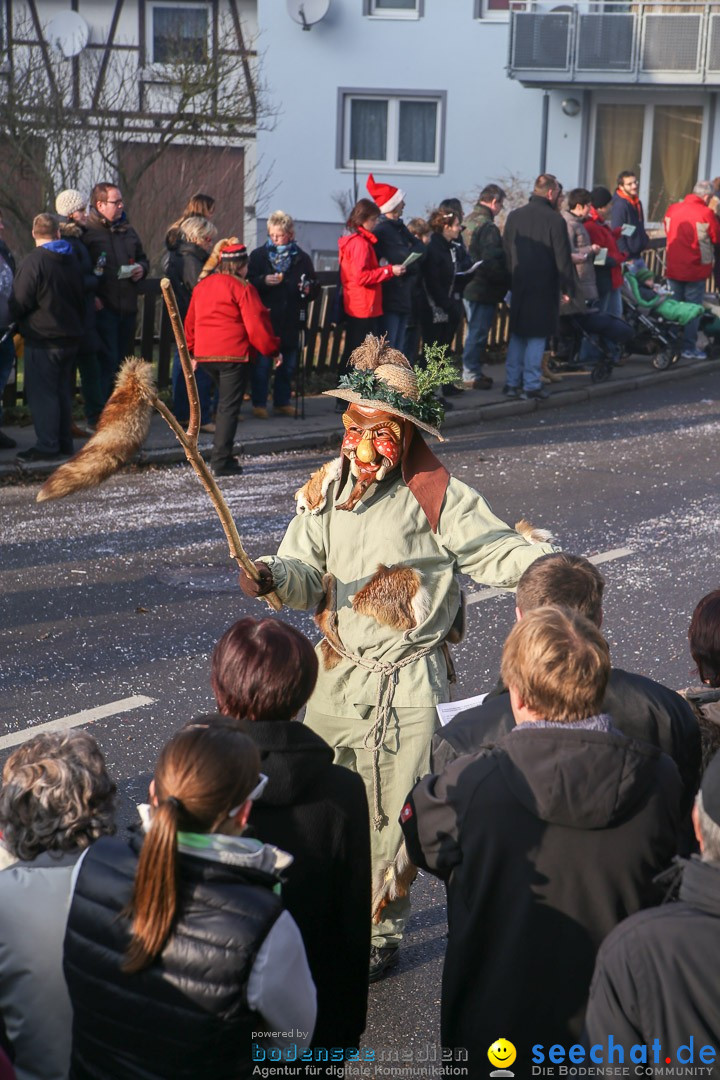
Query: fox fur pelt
{"type": "Point", "coordinates": [121, 431]}
{"type": "Point", "coordinates": [394, 596]}
{"type": "Point", "coordinates": [391, 882]}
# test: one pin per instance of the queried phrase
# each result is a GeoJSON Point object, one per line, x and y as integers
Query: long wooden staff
{"type": "Point", "coordinates": [189, 442]}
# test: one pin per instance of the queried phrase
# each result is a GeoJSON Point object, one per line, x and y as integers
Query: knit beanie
{"type": "Point", "coordinates": [69, 201]}
{"type": "Point", "coordinates": [599, 197]}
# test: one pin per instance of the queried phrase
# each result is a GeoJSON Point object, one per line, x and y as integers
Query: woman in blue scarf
{"type": "Point", "coordinates": [285, 277]}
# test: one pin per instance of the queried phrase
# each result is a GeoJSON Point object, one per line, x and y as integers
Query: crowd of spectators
{"type": "Point", "coordinates": [574, 817]}
{"type": "Point", "coordinates": [418, 283]}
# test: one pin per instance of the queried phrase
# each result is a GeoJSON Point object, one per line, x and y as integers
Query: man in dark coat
{"type": "Point", "coordinates": [48, 303]}
{"type": "Point", "coordinates": [627, 215]}
{"type": "Point", "coordinates": [656, 973]}
{"type": "Point", "coordinates": [120, 263]}
{"type": "Point", "coordinates": [545, 843]}
{"type": "Point", "coordinates": [539, 260]}
{"type": "Point", "coordinates": [640, 707]}
{"type": "Point", "coordinates": [487, 286]}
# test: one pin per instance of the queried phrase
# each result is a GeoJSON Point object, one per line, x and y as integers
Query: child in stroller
{"type": "Point", "coordinates": [655, 317]}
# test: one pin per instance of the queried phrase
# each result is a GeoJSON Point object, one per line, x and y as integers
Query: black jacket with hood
{"type": "Point", "coordinates": [48, 297]}
{"type": "Point", "coordinates": [545, 842]}
{"type": "Point", "coordinates": [640, 707]}
{"type": "Point", "coordinates": [74, 233]}
{"type": "Point", "coordinates": [318, 813]}
{"type": "Point", "coordinates": [656, 974]}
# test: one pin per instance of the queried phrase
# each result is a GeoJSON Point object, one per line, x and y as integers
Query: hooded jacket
{"type": "Point", "coordinates": [656, 974]}
{"type": "Point", "coordinates": [491, 281]}
{"type": "Point", "coordinates": [545, 842]}
{"type": "Point", "coordinates": [121, 245]}
{"type": "Point", "coordinates": [361, 276]}
{"type": "Point", "coordinates": [190, 1014]}
{"type": "Point", "coordinates": [693, 235]}
{"type": "Point", "coordinates": [48, 297]}
{"type": "Point", "coordinates": [318, 813]}
{"type": "Point", "coordinates": [640, 707]}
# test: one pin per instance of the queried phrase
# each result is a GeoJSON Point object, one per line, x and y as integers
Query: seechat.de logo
{"type": "Point", "coordinates": [501, 1054]}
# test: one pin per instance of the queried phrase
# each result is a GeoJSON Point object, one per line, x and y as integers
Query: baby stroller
{"type": "Point", "coordinates": [587, 338]}
{"type": "Point", "coordinates": [657, 319]}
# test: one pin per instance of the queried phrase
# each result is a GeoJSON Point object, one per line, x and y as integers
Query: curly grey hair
{"type": "Point", "coordinates": [56, 795]}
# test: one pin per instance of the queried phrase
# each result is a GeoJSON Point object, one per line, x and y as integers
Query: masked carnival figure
{"type": "Point", "coordinates": [375, 550]}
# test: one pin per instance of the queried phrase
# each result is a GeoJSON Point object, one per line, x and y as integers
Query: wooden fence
{"type": "Point", "coordinates": [323, 339]}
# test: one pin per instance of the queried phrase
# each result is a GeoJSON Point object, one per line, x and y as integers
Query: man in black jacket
{"type": "Point", "coordinates": [545, 843]}
{"type": "Point", "coordinates": [487, 286]}
{"type": "Point", "coordinates": [539, 260]}
{"type": "Point", "coordinates": [640, 708]}
{"type": "Point", "coordinates": [48, 303]}
{"type": "Point", "coordinates": [656, 974]}
{"type": "Point", "coordinates": [120, 263]}
{"type": "Point", "coordinates": [627, 214]}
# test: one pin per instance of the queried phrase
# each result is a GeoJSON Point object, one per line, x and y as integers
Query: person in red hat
{"type": "Point", "coordinates": [226, 323]}
{"type": "Point", "coordinates": [394, 244]}
{"type": "Point", "coordinates": [361, 277]}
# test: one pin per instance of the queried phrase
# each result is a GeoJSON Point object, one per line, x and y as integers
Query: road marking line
{"type": "Point", "coordinates": [601, 557]}
{"type": "Point", "coordinates": [87, 716]}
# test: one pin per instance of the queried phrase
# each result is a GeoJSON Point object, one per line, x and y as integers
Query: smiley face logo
{"type": "Point", "coordinates": [502, 1054]}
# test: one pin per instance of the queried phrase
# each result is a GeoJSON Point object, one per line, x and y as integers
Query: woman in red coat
{"type": "Point", "coordinates": [226, 323]}
{"type": "Point", "coordinates": [361, 277]}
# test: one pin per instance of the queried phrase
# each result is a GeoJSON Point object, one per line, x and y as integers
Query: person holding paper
{"type": "Point", "coordinates": [582, 249]}
{"type": "Point", "coordinates": [608, 274]}
{"type": "Point", "coordinates": [394, 244]}
{"type": "Point", "coordinates": [120, 263]}
{"type": "Point", "coordinates": [627, 215]}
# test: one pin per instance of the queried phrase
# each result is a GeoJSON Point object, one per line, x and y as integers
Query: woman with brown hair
{"type": "Point", "coordinates": [179, 958]}
{"type": "Point", "coordinates": [361, 277]}
{"type": "Point", "coordinates": [263, 671]}
{"type": "Point", "coordinates": [441, 311]}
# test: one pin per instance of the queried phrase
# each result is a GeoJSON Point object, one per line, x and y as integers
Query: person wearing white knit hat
{"type": "Point", "coordinates": [69, 202]}
{"type": "Point", "coordinates": [73, 207]}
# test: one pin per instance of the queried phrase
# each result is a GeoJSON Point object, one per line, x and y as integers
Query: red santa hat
{"type": "Point", "coordinates": [386, 196]}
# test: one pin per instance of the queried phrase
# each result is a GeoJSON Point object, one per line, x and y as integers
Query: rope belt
{"type": "Point", "coordinates": [387, 681]}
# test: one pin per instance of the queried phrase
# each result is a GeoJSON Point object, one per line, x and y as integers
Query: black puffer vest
{"type": "Point", "coordinates": [185, 1017]}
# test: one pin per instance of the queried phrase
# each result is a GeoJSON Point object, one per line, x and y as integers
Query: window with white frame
{"type": "Point", "coordinates": [497, 10]}
{"type": "Point", "coordinates": [398, 131]}
{"type": "Point", "coordinates": [393, 9]}
{"type": "Point", "coordinates": [178, 32]}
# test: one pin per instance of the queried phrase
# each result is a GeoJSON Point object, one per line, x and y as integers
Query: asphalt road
{"type": "Point", "coordinates": [123, 592]}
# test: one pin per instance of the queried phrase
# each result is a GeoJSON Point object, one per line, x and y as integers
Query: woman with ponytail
{"type": "Point", "coordinates": [179, 958]}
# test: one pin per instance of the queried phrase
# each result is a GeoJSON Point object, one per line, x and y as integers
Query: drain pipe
{"type": "Point", "coordinates": [544, 131]}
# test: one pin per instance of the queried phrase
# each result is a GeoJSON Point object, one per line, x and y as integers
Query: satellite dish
{"type": "Point", "coordinates": [68, 33]}
{"type": "Point", "coordinates": [307, 12]}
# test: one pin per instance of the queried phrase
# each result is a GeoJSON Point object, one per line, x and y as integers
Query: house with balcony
{"type": "Point", "coordinates": [441, 96]}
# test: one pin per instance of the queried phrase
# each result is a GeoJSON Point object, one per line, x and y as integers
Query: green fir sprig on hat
{"type": "Point", "coordinates": [438, 371]}
{"type": "Point", "coordinates": [429, 409]}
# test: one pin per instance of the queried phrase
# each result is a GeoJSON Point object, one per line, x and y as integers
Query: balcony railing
{"type": "Point", "coordinates": [595, 43]}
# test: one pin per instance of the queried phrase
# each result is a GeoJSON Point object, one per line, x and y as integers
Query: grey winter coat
{"type": "Point", "coordinates": [582, 255]}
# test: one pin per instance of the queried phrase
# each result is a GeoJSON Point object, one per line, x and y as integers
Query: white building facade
{"type": "Point", "coordinates": [440, 97]}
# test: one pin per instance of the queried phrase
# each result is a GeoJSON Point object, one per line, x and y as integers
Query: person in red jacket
{"type": "Point", "coordinates": [361, 277]}
{"type": "Point", "coordinates": [226, 322]}
{"type": "Point", "coordinates": [693, 237]}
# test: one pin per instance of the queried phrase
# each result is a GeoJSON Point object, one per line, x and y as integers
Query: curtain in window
{"type": "Point", "coordinates": [395, 5]}
{"type": "Point", "coordinates": [417, 130]}
{"type": "Point", "coordinates": [180, 34]}
{"type": "Point", "coordinates": [618, 142]}
{"type": "Point", "coordinates": [677, 131]}
{"type": "Point", "coordinates": [368, 130]}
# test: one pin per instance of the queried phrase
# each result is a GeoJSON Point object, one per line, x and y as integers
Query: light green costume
{"type": "Point", "coordinates": [389, 527]}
